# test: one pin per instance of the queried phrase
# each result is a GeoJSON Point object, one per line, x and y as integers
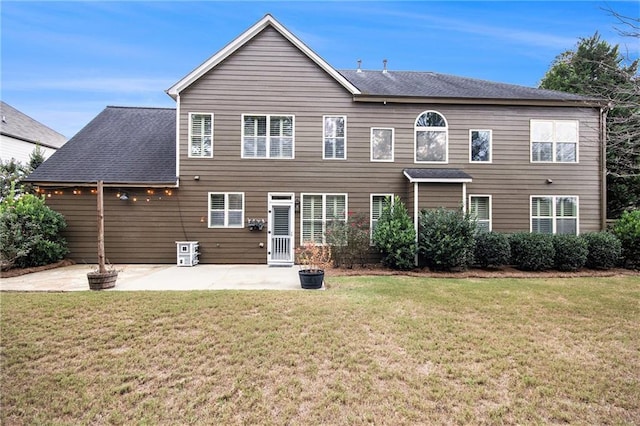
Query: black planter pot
{"type": "Point", "coordinates": [101, 281]}
{"type": "Point", "coordinates": [311, 279]}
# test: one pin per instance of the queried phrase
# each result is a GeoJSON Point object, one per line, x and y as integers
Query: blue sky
{"type": "Point", "coordinates": [63, 62]}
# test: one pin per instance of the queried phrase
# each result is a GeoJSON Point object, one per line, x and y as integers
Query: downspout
{"type": "Point", "coordinates": [415, 217]}
{"type": "Point", "coordinates": [178, 140]}
{"type": "Point", "coordinates": [464, 197]}
{"type": "Point", "coordinates": [603, 169]}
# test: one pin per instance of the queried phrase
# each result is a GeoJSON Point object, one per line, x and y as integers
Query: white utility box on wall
{"type": "Point", "coordinates": [187, 252]}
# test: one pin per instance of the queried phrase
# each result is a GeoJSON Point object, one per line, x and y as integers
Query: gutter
{"type": "Point", "coordinates": [477, 101]}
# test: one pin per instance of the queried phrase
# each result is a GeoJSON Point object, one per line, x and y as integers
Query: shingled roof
{"type": "Point", "coordinates": [20, 126]}
{"type": "Point", "coordinates": [412, 84]}
{"type": "Point", "coordinates": [122, 145]}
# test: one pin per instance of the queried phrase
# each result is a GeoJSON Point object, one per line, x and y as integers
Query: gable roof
{"type": "Point", "coordinates": [241, 40]}
{"type": "Point", "coordinates": [17, 125]}
{"type": "Point", "coordinates": [122, 145]}
{"type": "Point", "coordinates": [412, 84]}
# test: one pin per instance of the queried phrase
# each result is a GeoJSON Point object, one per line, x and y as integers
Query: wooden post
{"type": "Point", "coordinates": [101, 266]}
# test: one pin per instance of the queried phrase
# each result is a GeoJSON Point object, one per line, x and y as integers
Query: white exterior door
{"type": "Point", "coordinates": [280, 230]}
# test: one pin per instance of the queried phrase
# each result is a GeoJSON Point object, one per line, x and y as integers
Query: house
{"type": "Point", "coordinates": [21, 134]}
{"type": "Point", "coordinates": [265, 129]}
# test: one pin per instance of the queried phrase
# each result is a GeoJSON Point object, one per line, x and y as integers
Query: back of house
{"type": "Point", "coordinates": [268, 144]}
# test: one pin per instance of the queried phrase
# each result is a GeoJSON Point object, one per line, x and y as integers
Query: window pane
{"type": "Point", "coordinates": [480, 145]}
{"type": "Point", "coordinates": [541, 206]}
{"type": "Point", "coordinates": [542, 131]}
{"type": "Point", "coordinates": [566, 206]}
{"type": "Point", "coordinates": [566, 226]}
{"type": "Point", "coordinates": [431, 119]}
{"type": "Point", "coordinates": [541, 151]}
{"type": "Point", "coordinates": [566, 152]}
{"type": "Point", "coordinates": [381, 144]}
{"type": "Point", "coordinates": [483, 226]}
{"type": "Point", "coordinates": [334, 127]}
{"type": "Point", "coordinates": [480, 207]}
{"type": "Point", "coordinates": [255, 125]}
{"type": "Point", "coordinates": [217, 218]}
{"type": "Point", "coordinates": [235, 201]}
{"type": "Point", "coordinates": [431, 146]}
{"type": "Point", "coordinates": [196, 146]}
{"type": "Point", "coordinates": [235, 218]}
{"type": "Point", "coordinates": [567, 131]}
{"type": "Point", "coordinates": [542, 226]}
{"type": "Point", "coordinates": [336, 205]}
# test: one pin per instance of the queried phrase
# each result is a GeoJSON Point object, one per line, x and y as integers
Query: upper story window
{"type": "Point", "coordinates": [334, 137]}
{"type": "Point", "coordinates": [319, 210]}
{"type": "Point", "coordinates": [381, 144]}
{"type": "Point", "coordinates": [554, 141]}
{"type": "Point", "coordinates": [480, 208]}
{"type": "Point", "coordinates": [480, 146]}
{"type": "Point", "coordinates": [267, 136]}
{"type": "Point", "coordinates": [200, 135]}
{"type": "Point", "coordinates": [554, 214]}
{"type": "Point", "coordinates": [226, 210]}
{"type": "Point", "coordinates": [431, 138]}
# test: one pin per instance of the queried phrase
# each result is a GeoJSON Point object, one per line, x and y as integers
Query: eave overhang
{"type": "Point", "coordinates": [241, 40]}
{"type": "Point", "coordinates": [69, 184]}
{"type": "Point", "coordinates": [437, 176]}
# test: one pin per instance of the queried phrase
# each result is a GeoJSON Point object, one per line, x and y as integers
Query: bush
{"type": "Point", "coordinates": [349, 241]}
{"type": "Point", "coordinates": [492, 250]}
{"type": "Point", "coordinates": [571, 252]}
{"type": "Point", "coordinates": [532, 252]}
{"type": "Point", "coordinates": [446, 238]}
{"type": "Point", "coordinates": [30, 232]}
{"type": "Point", "coordinates": [395, 236]}
{"type": "Point", "coordinates": [627, 229]}
{"type": "Point", "coordinates": [603, 249]}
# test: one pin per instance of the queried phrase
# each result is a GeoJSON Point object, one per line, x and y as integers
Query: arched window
{"type": "Point", "coordinates": [432, 138]}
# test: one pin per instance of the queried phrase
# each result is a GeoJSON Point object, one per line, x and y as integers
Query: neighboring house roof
{"type": "Point", "coordinates": [436, 175]}
{"type": "Point", "coordinates": [122, 145]}
{"type": "Point", "coordinates": [241, 40]}
{"type": "Point", "coordinates": [17, 125]}
{"type": "Point", "coordinates": [412, 84]}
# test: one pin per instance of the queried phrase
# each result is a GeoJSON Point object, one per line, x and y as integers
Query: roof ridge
{"type": "Point", "coordinates": [138, 107]}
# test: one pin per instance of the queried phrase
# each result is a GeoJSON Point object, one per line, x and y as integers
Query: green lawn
{"type": "Point", "coordinates": [383, 350]}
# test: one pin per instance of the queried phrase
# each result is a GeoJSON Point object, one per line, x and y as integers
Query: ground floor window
{"type": "Point", "coordinates": [226, 210]}
{"type": "Point", "coordinates": [378, 202]}
{"type": "Point", "coordinates": [554, 214]}
{"type": "Point", "coordinates": [480, 208]}
{"type": "Point", "coordinates": [317, 211]}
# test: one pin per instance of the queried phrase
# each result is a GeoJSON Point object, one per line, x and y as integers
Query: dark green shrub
{"type": "Point", "coordinates": [30, 232]}
{"type": "Point", "coordinates": [395, 236]}
{"type": "Point", "coordinates": [349, 241]}
{"type": "Point", "coordinates": [604, 250]}
{"type": "Point", "coordinates": [532, 252]}
{"type": "Point", "coordinates": [446, 238]}
{"type": "Point", "coordinates": [571, 252]}
{"type": "Point", "coordinates": [492, 250]}
{"type": "Point", "coordinates": [627, 229]}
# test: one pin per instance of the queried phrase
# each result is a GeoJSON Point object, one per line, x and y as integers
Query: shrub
{"type": "Point", "coordinates": [571, 252]}
{"type": "Point", "coordinates": [603, 248]}
{"type": "Point", "coordinates": [627, 229]}
{"type": "Point", "coordinates": [492, 250]}
{"type": "Point", "coordinates": [446, 238]}
{"type": "Point", "coordinates": [395, 236]}
{"type": "Point", "coordinates": [532, 252]}
{"type": "Point", "coordinates": [349, 240]}
{"type": "Point", "coordinates": [30, 232]}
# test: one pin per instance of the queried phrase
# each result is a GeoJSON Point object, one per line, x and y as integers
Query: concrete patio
{"type": "Point", "coordinates": [162, 277]}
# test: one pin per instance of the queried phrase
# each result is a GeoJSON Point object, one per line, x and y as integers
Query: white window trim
{"type": "Point", "coordinates": [393, 144]}
{"type": "Point", "coordinates": [268, 148]}
{"type": "Point", "coordinates": [226, 210]}
{"type": "Point", "coordinates": [490, 146]}
{"type": "Point", "coordinates": [371, 212]}
{"type": "Point", "coordinates": [324, 136]}
{"type": "Point", "coordinates": [189, 134]}
{"type": "Point", "coordinates": [490, 207]}
{"type": "Point", "coordinates": [553, 142]}
{"type": "Point", "coordinates": [553, 211]}
{"type": "Point", "coordinates": [415, 138]}
{"type": "Point", "coordinates": [324, 212]}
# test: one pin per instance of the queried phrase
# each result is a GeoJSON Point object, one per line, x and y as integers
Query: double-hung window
{"type": "Point", "coordinates": [267, 136]}
{"type": "Point", "coordinates": [480, 209]}
{"type": "Point", "coordinates": [480, 146]}
{"type": "Point", "coordinates": [382, 144]}
{"type": "Point", "coordinates": [554, 214]}
{"type": "Point", "coordinates": [319, 210]}
{"type": "Point", "coordinates": [226, 210]}
{"type": "Point", "coordinates": [431, 138]}
{"type": "Point", "coordinates": [378, 201]}
{"type": "Point", "coordinates": [554, 141]}
{"type": "Point", "coordinates": [334, 137]}
{"type": "Point", "coordinates": [200, 135]}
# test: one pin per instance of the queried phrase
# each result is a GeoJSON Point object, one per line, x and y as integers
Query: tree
{"type": "Point", "coordinates": [13, 172]}
{"type": "Point", "coordinates": [597, 69]}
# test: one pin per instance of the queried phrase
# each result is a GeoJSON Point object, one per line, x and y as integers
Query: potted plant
{"type": "Point", "coordinates": [313, 260]}
{"type": "Point", "coordinates": [102, 277]}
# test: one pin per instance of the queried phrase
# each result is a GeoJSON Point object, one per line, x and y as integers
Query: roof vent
{"type": "Point", "coordinates": [359, 65]}
{"type": "Point", "coordinates": [4, 119]}
{"type": "Point", "coordinates": [384, 66]}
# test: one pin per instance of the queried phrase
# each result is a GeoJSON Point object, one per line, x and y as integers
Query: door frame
{"type": "Point", "coordinates": [281, 199]}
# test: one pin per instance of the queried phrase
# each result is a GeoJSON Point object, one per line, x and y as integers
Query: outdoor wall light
{"type": "Point", "coordinates": [124, 196]}
{"type": "Point", "coordinates": [549, 181]}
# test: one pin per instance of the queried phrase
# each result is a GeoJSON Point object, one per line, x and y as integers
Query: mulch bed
{"type": "Point", "coordinates": [16, 272]}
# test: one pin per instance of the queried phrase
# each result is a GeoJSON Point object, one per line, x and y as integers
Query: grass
{"type": "Point", "coordinates": [382, 350]}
